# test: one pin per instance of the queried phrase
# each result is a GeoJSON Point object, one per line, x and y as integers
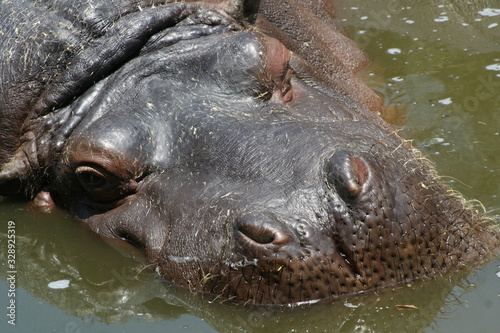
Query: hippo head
{"type": "Point", "coordinates": [239, 172]}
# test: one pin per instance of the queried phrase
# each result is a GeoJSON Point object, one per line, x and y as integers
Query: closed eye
{"type": "Point", "coordinates": [286, 86]}
{"type": "Point", "coordinates": [276, 71]}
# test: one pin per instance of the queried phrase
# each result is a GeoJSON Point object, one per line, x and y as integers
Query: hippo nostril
{"type": "Point", "coordinates": [347, 173]}
{"type": "Point", "coordinates": [260, 235]}
{"type": "Point", "coordinates": [261, 229]}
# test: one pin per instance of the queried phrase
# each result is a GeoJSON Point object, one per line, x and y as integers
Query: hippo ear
{"type": "Point", "coordinates": [327, 48]}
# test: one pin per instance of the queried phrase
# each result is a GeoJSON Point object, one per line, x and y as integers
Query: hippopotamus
{"type": "Point", "coordinates": [230, 141]}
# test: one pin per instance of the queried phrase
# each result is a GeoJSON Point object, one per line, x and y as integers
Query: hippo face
{"type": "Point", "coordinates": [240, 178]}
{"type": "Point", "coordinates": [240, 173]}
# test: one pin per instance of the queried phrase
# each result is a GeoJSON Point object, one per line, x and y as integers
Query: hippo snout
{"type": "Point", "coordinates": [345, 175]}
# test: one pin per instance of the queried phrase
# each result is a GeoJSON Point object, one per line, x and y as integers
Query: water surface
{"type": "Point", "coordinates": [438, 65]}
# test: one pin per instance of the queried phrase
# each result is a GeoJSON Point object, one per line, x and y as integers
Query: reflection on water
{"type": "Point", "coordinates": [437, 61]}
{"type": "Point", "coordinates": [106, 290]}
{"type": "Point", "coordinates": [445, 75]}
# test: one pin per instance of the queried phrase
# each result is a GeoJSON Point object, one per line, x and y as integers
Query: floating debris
{"type": "Point", "coordinates": [489, 12]}
{"type": "Point", "coordinates": [402, 307]}
{"type": "Point", "coordinates": [350, 305]}
{"type": "Point", "coordinates": [394, 51]}
{"type": "Point", "coordinates": [441, 19]}
{"type": "Point", "coordinates": [493, 67]}
{"type": "Point", "coordinates": [446, 101]}
{"type": "Point", "coordinates": [432, 142]}
{"type": "Point", "coordinates": [59, 284]}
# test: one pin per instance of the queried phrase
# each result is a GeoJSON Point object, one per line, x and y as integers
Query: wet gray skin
{"type": "Point", "coordinates": [238, 172]}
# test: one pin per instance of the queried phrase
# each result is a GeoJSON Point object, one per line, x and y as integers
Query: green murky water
{"type": "Point", "coordinates": [439, 61]}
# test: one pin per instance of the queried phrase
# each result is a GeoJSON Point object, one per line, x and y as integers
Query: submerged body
{"type": "Point", "coordinates": [230, 141]}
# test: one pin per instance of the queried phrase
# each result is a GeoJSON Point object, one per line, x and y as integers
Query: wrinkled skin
{"type": "Point", "coordinates": [210, 137]}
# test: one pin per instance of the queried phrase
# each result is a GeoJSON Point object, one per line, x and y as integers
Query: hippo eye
{"type": "Point", "coordinates": [283, 90]}
{"type": "Point", "coordinates": [286, 88]}
{"type": "Point", "coordinates": [277, 72]}
{"type": "Point", "coordinates": [90, 178]}
{"type": "Point", "coordinates": [99, 184]}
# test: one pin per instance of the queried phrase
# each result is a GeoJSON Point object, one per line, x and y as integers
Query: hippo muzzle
{"type": "Point", "coordinates": [237, 170]}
